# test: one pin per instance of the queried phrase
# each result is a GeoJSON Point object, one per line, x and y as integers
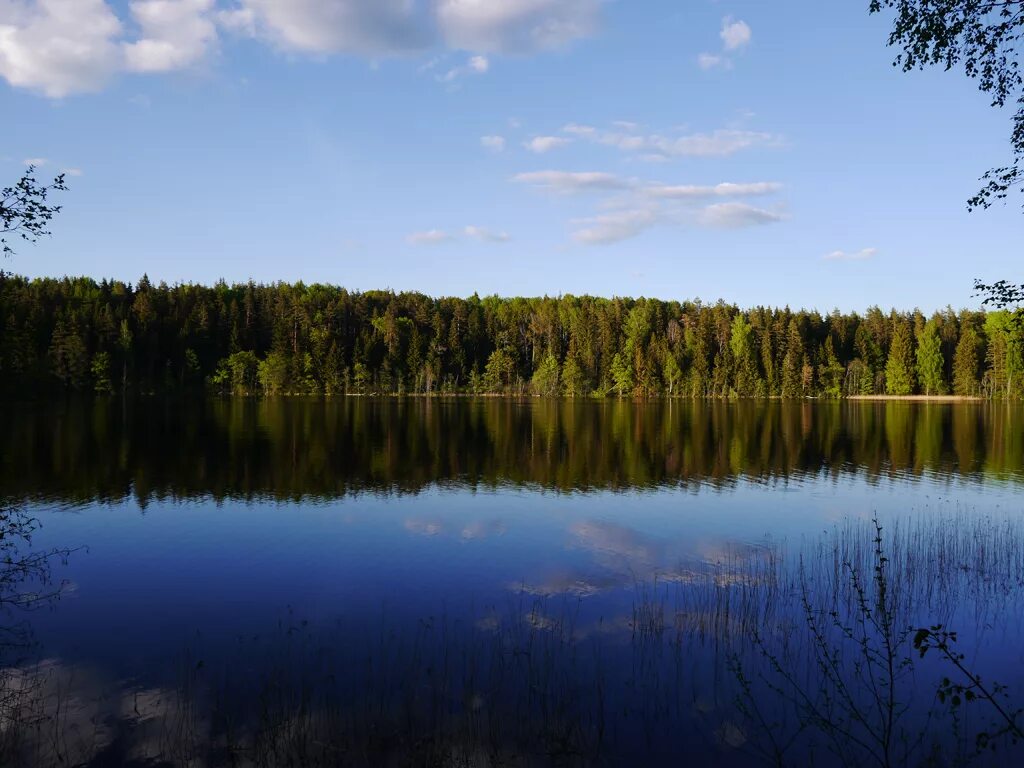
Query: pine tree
{"type": "Point", "coordinates": [101, 373]}
{"type": "Point", "coordinates": [741, 346]}
{"type": "Point", "coordinates": [899, 370]}
{"type": "Point", "coordinates": [930, 363]}
{"type": "Point", "coordinates": [832, 371]}
{"type": "Point", "coordinates": [965, 363]}
{"type": "Point", "coordinates": [498, 371]}
{"type": "Point", "coordinates": [622, 374]}
{"type": "Point", "coordinates": [322, 339]}
{"type": "Point", "coordinates": [545, 378]}
{"type": "Point", "coordinates": [68, 355]}
{"type": "Point", "coordinates": [1005, 362]}
{"type": "Point", "coordinates": [573, 380]}
{"type": "Point", "coordinates": [671, 372]}
{"type": "Point", "coordinates": [792, 363]}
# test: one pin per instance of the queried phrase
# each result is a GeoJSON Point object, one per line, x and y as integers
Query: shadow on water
{"type": "Point", "coordinates": [861, 647]}
{"type": "Point", "coordinates": [302, 449]}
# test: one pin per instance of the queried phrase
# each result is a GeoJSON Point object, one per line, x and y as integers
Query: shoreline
{"type": "Point", "coordinates": [922, 398]}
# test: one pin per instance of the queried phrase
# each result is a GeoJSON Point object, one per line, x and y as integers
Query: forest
{"type": "Point", "coordinates": [253, 339]}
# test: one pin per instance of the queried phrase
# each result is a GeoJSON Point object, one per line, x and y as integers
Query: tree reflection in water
{"type": "Point", "coordinates": [308, 448]}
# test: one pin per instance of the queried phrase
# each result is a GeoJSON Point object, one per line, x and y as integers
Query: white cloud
{"type": "Point", "coordinates": [493, 143]}
{"type": "Point", "coordinates": [486, 235]}
{"type": "Point", "coordinates": [515, 26]}
{"type": "Point", "coordinates": [58, 47]}
{"type": "Point", "coordinates": [175, 34]}
{"type": "Point", "coordinates": [36, 161]}
{"type": "Point", "coordinates": [719, 143]}
{"type": "Point", "coordinates": [339, 26]}
{"type": "Point", "coordinates": [241, 21]}
{"type": "Point", "coordinates": [861, 255]}
{"type": "Point", "coordinates": [734, 34]}
{"type": "Point", "coordinates": [400, 26]}
{"type": "Point", "coordinates": [476, 65]}
{"type": "Point", "coordinates": [725, 189]}
{"type": "Point", "coordinates": [430, 237]}
{"type": "Point", "coordinates": [567, 181]}
{"type": "Point", "coordinates": [736, 215]}
{"type": "Point", "coordinates": [710, 61]}
{"type": "Point", "coordinates": [614, 227]}
{"type": "Point", "coordinates": [71, 171]}
{"type": "Point", "coordinates": [580, 130]}
{"type": "Point", "coordinates": [542, 144]}
{"type": "Point", "coordinates": [61, 47]}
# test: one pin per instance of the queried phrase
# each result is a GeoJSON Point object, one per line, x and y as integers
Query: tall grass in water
{"type": "Point", "coordinates": [808, 653]}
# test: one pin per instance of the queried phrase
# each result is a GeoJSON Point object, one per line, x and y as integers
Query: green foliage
{"type": "Point", "coordinates": [25, 210]}
{"type": "Point", "coordinates": [100, 368]}
{"type": "Point", "coordinates": [930, 363]}
{"type": "Point", "coordinates": [273, 373]}
{"type": "Point", "coordinates": [741, 346]}
{"type": "Point", "coordinates": [832, 372]}
{"type": "Point", "coordinates": [899, 370]}
{"type": "Point", "coordinates": [966, 362]}
{"type": "Point", "coordinates": [361, 379]}
{"type": "Point", "coordinates": [1005, 375]}
{"type": "Point", "coordinates": [545, 378]}
{"type": "Point", "coordinates": [318, 339]}
{"type": "Point", "coordinates": [671, 372]}
{"type": "Point", "coordinates": [574, 383]}
{"type": "Point", "coordinates": [792, 363]}
{"type": "Point", "coordinates": [68, 355]}
{"type": "Point", "coordinates": [969, 688]}
{"type": "Point", "coordinates": [237, 374]}
{"type": "Point", "coordinates": [622, 374]}
{"type": "Point", "coordinates": [983, 38]}
{"type": "Point", "coordinates": [499, 371]}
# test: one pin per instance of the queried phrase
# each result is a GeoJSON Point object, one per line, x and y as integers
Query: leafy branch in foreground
{"type": "Point", "coordinates": [1000, 294]}
{"type": "Point", "coordinates": [981, 36]}
{"type": "Point", "coordinates": [25, 210]}
{"type": "Point", "coordinates": [25, 577]}
{"type": "Point", "coordinates": [861, 656]}
{"type": "Point", "coordinates": [970, 689]}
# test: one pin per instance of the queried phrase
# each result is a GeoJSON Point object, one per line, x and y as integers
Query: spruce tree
{"type": "Point", "coordinates": [622, 374]}
{"type": "Point", "coordinates": [792, 363]}
{"type": "Point", "coordinates": [930, 363]}
{"type": "Point", "coordinates": [573, 380]}
{"type": "Point", "coordinates": [545, 378]}
{"type": "Point", "coordinates": [832, 371]}
{"type": "Point", "coordinates": [741, 345]}
{"type": "Point", "coordinates": [965, 363]}
{"type": "Point", "coordinates": [899, 370]}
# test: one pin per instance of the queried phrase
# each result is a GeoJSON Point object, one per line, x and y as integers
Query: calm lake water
{"type": "Point", "coordinates": [601, 569]}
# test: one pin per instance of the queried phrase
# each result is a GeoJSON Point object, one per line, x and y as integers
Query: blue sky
{"type": "Point", "coordinates": [763, 153]}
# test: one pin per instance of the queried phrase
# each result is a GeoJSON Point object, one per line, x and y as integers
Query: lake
{"type": "Point", "coordinates": [361, 581]}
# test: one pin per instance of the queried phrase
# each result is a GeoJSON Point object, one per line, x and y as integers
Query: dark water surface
{"type": "Point", "coordinates": [599, 569]}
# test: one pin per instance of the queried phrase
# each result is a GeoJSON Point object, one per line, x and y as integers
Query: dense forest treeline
{"type": "Point", "coordinates": [109, 336]}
